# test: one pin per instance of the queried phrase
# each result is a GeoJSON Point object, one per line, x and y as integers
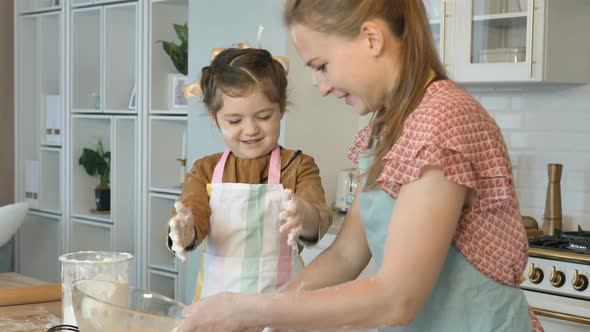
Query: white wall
{"type": "Point", "coordinates": [322, 127]}
{"type": "Point", "coordinates": [541, 125]}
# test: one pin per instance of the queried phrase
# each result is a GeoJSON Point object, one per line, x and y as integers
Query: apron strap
{"type": "Point", "coordinates": [274, 169]}
{"type": "Point", "coordinates": [218, 172]}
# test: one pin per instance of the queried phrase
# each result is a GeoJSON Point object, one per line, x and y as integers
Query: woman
{"type": "Point", "coordinates": [437, 209]}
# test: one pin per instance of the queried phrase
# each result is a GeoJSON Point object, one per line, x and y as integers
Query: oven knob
{"type": "Point", "coordinates": [580, 282]}
{"type": "Point", "coordinates": [557, 278]}
{"type": "Point", "coordinates": [535, 274]}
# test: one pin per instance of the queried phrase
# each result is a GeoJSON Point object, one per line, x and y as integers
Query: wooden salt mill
{"type": "Point", "coordinates": [552, 217]}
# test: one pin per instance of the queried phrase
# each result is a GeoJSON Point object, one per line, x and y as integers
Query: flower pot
{"type": "Point", "coordinates": [103, 199]}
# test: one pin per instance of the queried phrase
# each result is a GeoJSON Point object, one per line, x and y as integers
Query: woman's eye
{"type": "Point", "coordinates": [233, 122]}
{"type": "Point", "coordinates": [321, 68]}
{"type": "Point", "coordinates": [266, 117]}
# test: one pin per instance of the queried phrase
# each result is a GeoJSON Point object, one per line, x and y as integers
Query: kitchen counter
{"type": "Point", "coordinates": [37, 317]}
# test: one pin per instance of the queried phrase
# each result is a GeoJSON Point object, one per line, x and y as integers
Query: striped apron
{"type": "Point", "coordinates": [244, 251]}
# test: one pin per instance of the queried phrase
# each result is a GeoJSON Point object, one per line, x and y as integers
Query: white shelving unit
{"type": "Point", "coordinates": [36, 6]}
{"type": "Point", "coordinates": [159, 257]}
{"type": "Point", "coordinates": [164, 283]}
{"type": "Point", "coordinates": [40, 241]}
{"type": "Point", "coordinates": [167, 146]}
{"type": "Point", "coordinates": [120, 57]}
{"type": "Point", "coordinates": [90, 235]}
{"type": "Point", "coordinates": [89, 70]}
{"type": "Point", "coordinates": [104, 49]}
{"type": "Point", "coordinates": [86, 60]}
{"type": "Point", "coordinates": [39, 50]}
{"type": "Point", "coordinates": [87, 130]}
{"type": "Point", "coordinates": [165, 151]}
{"type": "Point", "coordinates": [50, 190]}
{"type": "Point", "coordinates": [64, 55]}
{"type": "Point", "coordinates": [163, 15]}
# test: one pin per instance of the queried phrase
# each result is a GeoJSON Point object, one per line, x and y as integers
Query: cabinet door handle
{"type": "Point", "coordinates": [532, 13]}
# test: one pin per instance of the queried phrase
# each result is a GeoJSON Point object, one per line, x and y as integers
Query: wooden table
{"type": "Point", "coordinates": [36, 317]}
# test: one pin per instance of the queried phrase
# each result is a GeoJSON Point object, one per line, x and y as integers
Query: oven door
{"type": "Point", "coordinates": [560, 314]}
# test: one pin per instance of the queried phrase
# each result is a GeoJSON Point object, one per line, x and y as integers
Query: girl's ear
{"type": "Point", "coordinates": [373, 33]}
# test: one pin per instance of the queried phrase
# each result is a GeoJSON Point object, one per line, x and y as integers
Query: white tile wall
{"type": "Point", "coordinates": [541, 125]}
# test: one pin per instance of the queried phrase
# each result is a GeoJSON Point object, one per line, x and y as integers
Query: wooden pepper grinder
{"type": "Point", "coordinates": [552, 217]}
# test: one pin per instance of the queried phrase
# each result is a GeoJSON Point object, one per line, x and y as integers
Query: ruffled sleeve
{"type": "Point", "coordinates": [360, 144]}
{"type": "Point", "coordinates": [461, 139]}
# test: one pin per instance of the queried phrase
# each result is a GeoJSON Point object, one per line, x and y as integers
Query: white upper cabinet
{"type": "Point", "coordinates": [104, 58]}
{"type": "Point", "coordinates": [440, 16]}
{"type": "Point", "coordinates": [513, 41]}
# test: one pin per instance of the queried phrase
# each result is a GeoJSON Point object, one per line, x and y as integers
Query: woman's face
{"type": "Point", "coordinates": [344, 67]}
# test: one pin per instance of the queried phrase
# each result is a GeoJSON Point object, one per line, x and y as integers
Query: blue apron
{"type": "Point", "coordinates": [463, 299]}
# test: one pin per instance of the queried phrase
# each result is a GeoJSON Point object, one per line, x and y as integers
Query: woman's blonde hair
{"type": "Point", "coordinates": [408, 22]}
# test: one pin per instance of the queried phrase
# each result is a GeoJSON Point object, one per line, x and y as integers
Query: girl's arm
{"type": "Point", "coordinates": [193, 226]}
{"type": "Point", "coordinates": [309, 207]}
{"type": "Point", "coordinates": [419, 236]}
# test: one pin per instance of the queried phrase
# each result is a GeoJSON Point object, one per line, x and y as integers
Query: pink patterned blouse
{"type": "Point", "coordinates": [450, 129]}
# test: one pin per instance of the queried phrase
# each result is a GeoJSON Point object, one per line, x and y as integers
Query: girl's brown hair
{"type": "Point", "coordinates": [408, 22]}
{"type": "Point", "coordinates": [236, 72]}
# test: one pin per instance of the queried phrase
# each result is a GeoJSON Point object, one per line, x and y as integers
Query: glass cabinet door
{"type": "Point", "coordinates": [434, 10]}
{"type": "Point", "coordinates": [496, 43]}
{"type": "Point", "coordinates": [499, 31]}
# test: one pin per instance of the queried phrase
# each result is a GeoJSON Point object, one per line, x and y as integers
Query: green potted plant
{"type": "Point", "coordinates": [178, 53]}
{"type": "Point", "coordinates": [98, 162]}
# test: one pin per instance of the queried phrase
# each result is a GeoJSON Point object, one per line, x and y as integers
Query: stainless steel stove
{"type": "Point", "coordinates": [557, 280]}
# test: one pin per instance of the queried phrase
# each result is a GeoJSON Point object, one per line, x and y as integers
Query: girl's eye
{"type": "Point", "coordinates": [321, 68]}
{"type": "Point", "coordinates": [233, 122]}
{"type": "Point", "coordinates": [266, 117]}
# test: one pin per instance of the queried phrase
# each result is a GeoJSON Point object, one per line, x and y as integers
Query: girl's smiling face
{"type": "Point", "coordinates": [250, 125]}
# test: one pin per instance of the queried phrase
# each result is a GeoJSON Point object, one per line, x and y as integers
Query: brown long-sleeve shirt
{"type": "Point", "coordinates": [298, 173]}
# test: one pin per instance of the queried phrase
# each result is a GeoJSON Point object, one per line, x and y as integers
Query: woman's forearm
{"type": "Point", "coordinates": [328, 269]}
{"type": "Point", "coordinates": [361, 304]}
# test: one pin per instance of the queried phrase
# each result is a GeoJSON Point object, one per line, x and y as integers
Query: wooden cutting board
{"type": "Point", "coordinates": [36, 317]}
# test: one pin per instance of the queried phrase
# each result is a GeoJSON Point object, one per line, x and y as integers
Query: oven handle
{"type": "Point", "coordinates": [561, 316]}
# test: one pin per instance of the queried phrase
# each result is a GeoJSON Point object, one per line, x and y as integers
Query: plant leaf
{"type": "Point", "coordinates": [89, 160]}
{"type": "Point", "coordinates": [182, 32]}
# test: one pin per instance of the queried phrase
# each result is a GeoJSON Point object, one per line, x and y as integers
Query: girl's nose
{"type": "Point", "coordinates": [251, 128]}
{"type": "Point", "coordinates": [324, 86]}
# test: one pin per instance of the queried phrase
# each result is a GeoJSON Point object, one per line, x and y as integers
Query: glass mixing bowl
{"type": "Point", "coordinates": [114, 307]}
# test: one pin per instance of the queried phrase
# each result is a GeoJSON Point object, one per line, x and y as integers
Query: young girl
{"type": "Point", "coordinates": [257, 202]}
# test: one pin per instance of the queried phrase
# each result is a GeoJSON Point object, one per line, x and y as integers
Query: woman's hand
{"type": "Point", "coordinates": [299, 218]}
{"type": "Point", "coordinates": [220, 312]}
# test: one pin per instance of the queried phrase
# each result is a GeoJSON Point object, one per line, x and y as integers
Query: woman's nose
{"type": "Point", "coordinates": [324, 86]}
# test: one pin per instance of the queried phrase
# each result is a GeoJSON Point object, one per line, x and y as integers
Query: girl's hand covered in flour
{"type": "Point", "coordinates": [182, 230]}
{"type": "Point", "coordinates": [297, 216]}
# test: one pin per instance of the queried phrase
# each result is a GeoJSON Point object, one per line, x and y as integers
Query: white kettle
{"type": "Point", "coordinates": [345, 187]}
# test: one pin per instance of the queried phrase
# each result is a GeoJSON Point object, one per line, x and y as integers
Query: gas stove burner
{"type": "Point", "coordinates": [577, 241]}
{"type": "Point", "coordinates": [576, 247]}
